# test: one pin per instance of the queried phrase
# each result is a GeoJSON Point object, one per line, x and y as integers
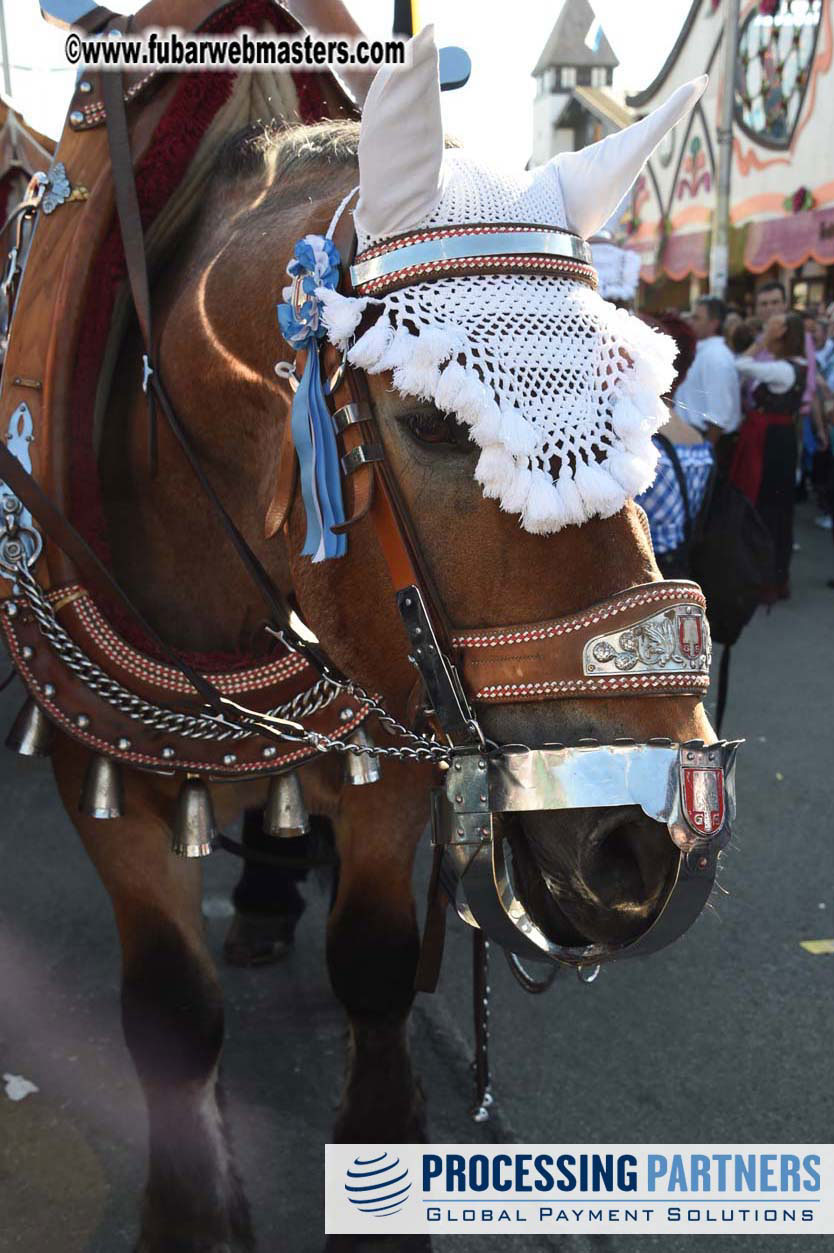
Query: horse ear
{"type": "Point", "coordinates": [595, 179]}
{"type": "Point", "coordinates": [401, 143]}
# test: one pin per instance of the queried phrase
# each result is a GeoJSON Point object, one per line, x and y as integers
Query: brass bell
{"type": "Point", "coordinates": [31, 733]}
{"type": "Point", "coordinates": [285, 814]}
{"type": "Point", "coordinates": [362, 768]}
{"type": "Point", "coordinates": [102, 795]}
{"type": "Point", "coordinates": [195, 829]}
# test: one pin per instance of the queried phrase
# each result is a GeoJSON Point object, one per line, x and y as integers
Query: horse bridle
{"type": "Point", "coordinates": [652, 639]}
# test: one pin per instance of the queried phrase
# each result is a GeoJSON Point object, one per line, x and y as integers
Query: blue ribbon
{"type": "Point", "coordinates": [318, 461]}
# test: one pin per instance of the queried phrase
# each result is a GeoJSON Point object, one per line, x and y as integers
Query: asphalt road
{"type": "Point", "coordinates": [724, 1037]}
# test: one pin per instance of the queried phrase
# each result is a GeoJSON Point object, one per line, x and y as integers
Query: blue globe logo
{"type": "Point", "coordinates": [378, 1185]}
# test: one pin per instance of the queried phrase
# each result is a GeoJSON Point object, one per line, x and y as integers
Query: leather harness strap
{"type": "Point", "coordinates": [130, 220]}
{"type": "Point", "coordinates": [127, 205]}
{"type": "Point", "coordinates": [380, 492]}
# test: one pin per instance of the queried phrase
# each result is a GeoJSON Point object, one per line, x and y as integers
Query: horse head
{"type": "Point", "coordinates": [515, 411]}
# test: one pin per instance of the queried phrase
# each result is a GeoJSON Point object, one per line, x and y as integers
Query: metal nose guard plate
{"type": "Point", "coordinates": [689, 787]}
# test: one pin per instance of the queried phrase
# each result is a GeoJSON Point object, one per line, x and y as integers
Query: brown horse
{"type": "Point", "coordinates": [606, 871]}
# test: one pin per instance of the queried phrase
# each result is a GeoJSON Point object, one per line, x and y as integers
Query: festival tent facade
{"type": "Point", "coordinates": [782, 173]}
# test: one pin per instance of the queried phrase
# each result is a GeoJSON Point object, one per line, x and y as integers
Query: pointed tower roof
{"type": "Point", "coordinates": [567, 46]}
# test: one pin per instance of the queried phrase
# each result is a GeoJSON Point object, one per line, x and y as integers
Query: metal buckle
{"type": "Point", "coordinates": [12, 270]}
{"type": "Point", "coordinates": [361, 455]}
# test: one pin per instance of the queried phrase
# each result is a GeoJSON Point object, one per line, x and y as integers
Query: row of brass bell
{"type": "Point", "coordinates": [194, 832]}
{"type": "Point", "coordinates": [285, 813]}
{"type": "Point", "coordinates": [31, 734]}
{"type": "Point", "coordinates": [195, 827]}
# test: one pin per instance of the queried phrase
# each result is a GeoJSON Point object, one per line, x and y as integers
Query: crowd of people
{"type": "Point", "coordinates": [753, 402]}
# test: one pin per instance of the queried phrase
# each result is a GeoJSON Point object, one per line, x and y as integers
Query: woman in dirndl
{"type": "Point", "coordinates": [685, 466]}
{"type": "Point", "coordinates": [764, 465]}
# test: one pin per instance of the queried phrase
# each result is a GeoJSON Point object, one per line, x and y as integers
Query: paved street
{"type": "Point", "coordinates": [724, 1037]}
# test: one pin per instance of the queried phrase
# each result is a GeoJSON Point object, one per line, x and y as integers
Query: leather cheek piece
{"type": "Point", "coordinates": [651, 640]}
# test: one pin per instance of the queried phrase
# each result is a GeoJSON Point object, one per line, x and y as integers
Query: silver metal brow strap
{"type": "Point", "coordinates": [460, 247]}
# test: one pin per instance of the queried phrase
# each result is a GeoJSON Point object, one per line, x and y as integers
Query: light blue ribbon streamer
{"type": "Point", "coordinates": [318, 461]}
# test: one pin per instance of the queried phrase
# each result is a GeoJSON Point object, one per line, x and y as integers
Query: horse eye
{"type": "Point", "coordinates": [436, 429]}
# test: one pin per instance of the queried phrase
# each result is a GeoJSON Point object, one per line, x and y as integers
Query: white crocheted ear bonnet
{"type": "Point", "coordinates": [559, 389]}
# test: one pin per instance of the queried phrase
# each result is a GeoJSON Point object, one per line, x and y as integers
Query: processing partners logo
{"type": "Point", "coordinates": [579, 1189]}
{"type": "Point", "coordinates": [378, 1184]}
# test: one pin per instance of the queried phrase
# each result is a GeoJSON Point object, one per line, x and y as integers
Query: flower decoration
{"type": "Point", "coordinates": [315, 264]}
{"type": "Point", "coordinates": [800, 202]}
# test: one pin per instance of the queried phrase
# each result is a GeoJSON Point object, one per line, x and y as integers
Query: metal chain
{"type": "Point", "coordinates": [427, 748]}
{"type": "Point", "coordinates": [207, 727]}
{"type": "Point", "coordinates": [155, 717]}
{"type": "Point", "coordinates": [480, 1004]}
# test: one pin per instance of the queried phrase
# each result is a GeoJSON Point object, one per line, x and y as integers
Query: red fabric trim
{"type": "Point", "coordinates": [748, 461]}
{"type": "Point", "coordinates": [177, 136]}
{"type": "Point", "coordinates": [686, 254]}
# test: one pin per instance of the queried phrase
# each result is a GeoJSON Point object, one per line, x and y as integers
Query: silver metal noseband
{"type": "Point", "coordinates": [689, 787]}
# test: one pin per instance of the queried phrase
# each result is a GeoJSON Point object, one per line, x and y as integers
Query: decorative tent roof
{"type": "Point", "coordinates": [567, 46]}
{"type": "Point", "coordinates": [603, 106]}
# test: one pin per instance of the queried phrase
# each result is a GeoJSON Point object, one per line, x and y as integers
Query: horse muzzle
{"type": "Point", "coordinates": [688, 788]}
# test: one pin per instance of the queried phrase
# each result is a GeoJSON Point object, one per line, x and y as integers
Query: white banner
{"type": "Point", "coordinates": [579, 1188]}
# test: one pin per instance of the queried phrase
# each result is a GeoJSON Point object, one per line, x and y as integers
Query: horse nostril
{"type": "Point", "coordinates": [611, 869]}
{"type": "Point", "coordinates": [626, 865]}
{"type": "Point", "coordinates": [592, 875]}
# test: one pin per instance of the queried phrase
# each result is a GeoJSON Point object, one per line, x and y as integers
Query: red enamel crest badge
{"type": "Point", "coordinates": [703, 798]}
{"type": "Point", "coordinates": [691, 634]}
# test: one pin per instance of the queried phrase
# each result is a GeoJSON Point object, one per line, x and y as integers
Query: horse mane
{"type": "Point", "coordinates": [293, 156]}
{"type": "Point", "coordinates": [287, 151]}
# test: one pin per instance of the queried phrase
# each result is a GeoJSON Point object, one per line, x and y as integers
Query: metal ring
{"type": "Point", "coordinates": [525, 980]}
{"type": "Point", "coordinates": [24, 543]}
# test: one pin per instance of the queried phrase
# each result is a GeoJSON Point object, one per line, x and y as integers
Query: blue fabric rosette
{"type": "Point", "coordinates": [315, 264]}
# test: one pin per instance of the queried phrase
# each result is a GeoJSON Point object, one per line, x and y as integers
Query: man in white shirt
{"type": "Point", "coordinates": [708, 398]}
